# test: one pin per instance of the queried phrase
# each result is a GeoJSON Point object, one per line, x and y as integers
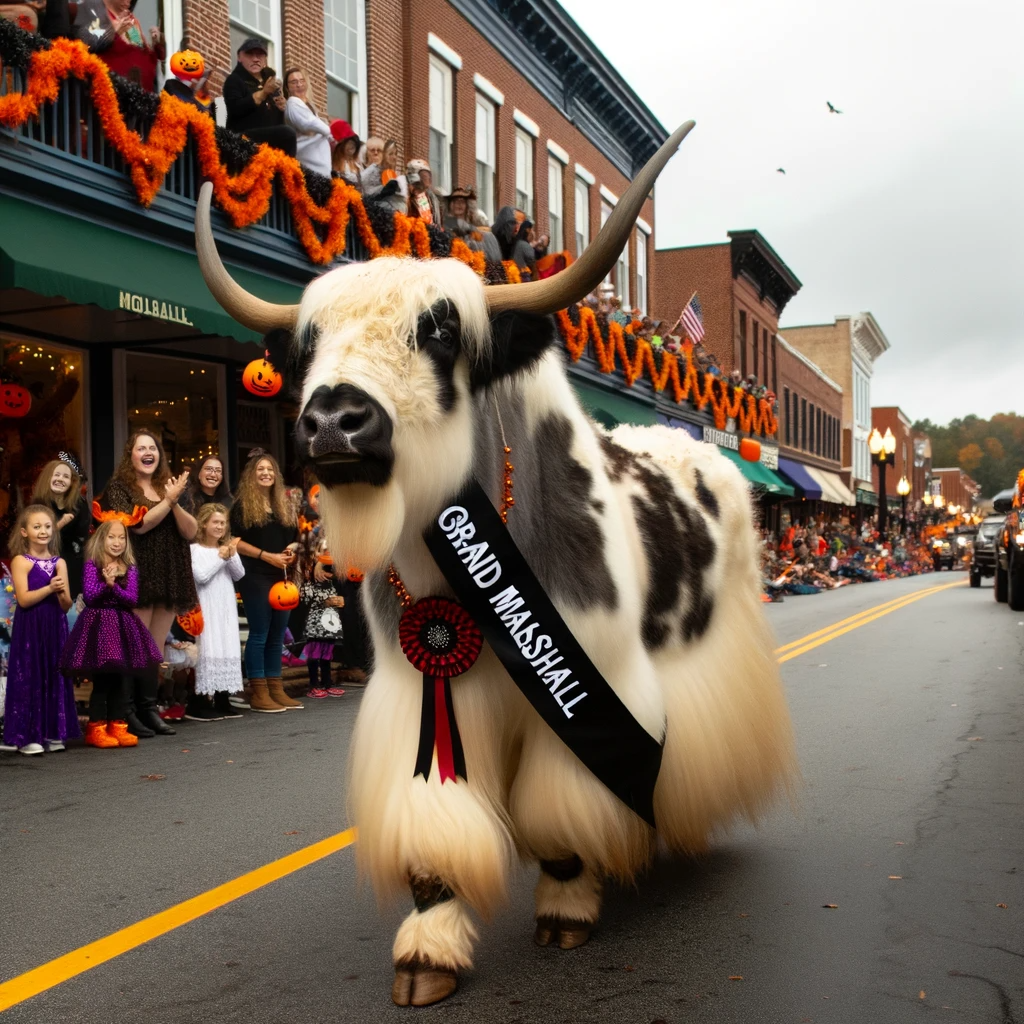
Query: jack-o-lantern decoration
{"type": "Point", "coordinates": [15, 401]}
{"type": "Point", "coordinates": [355, 574]}
{"type": "Point", "coordinates": [284, 596]}
{"type": "Point", "coordinates": [187, 65]}
{"type": "Point", "coordinates": [192, 621]}
{"type": "Point", "coordinates": [750, 449]}
{"type": "Point", "coordinates": [260, 378]}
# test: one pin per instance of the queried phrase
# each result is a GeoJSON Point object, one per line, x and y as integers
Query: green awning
{"type": "Point", "coordinates": [760, 476]}
{"type": "Point", "coordinates": [612, 408]}
{"type": "Point", "coordinates": [865, 497]}
{"type": "Point", "coordinates": [55, 254]}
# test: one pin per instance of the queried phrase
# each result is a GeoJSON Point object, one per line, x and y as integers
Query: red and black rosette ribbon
{"type": "Point", "coordinates": [442, 641]}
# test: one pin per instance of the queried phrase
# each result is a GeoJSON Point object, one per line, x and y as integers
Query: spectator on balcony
{"type": "Point", "coordinates": [457, 222]}
{"type": "Point", "coordinates": [512, 228]}
{"type": "Point", "coordinates": [313, 146]}
{"type": "Point", "coordinates": [373, 152]}
{"type": "Point", "coordinates": [424, 202]}
{"type": "Point", "coordinates": [344, 161]}
{"type": "Point", "coordinates": [110, 29]}
{"type": "Point", "coordinates": [254, 101]}
{"type": "Point", "coordinates": [186, 86]}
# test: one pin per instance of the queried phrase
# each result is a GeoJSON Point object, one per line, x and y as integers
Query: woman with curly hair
{"type": "Point", "coordinates": [59, 486]}
{"type": "Point", "coordinates": [144, 492]}
{"type": "Point", "coordinates": [264, 521]}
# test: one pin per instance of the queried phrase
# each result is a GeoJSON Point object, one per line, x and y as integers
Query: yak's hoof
{"type": "Point", "coordinates": [564, 934]}
{"type": "Point", "coordinates": [420, 984]}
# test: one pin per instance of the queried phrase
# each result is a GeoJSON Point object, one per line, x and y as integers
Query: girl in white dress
{"type": "Point", "coordinates": [216, 568]}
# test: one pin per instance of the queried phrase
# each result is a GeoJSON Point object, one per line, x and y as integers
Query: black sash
{"type": "Point", "coordinates": [491, 579]}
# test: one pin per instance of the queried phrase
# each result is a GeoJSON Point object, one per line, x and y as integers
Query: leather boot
{"type": "Point", "coordinates": [135, 726]}
{"type": "Point", "coordinates": [279, 697]}
{"type": "Point", "coordinates": [260, 700]}
{"type": "Point", "coordinates": [147, 711]}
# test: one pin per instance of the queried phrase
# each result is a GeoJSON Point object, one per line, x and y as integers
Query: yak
{"type": "Point", "coordinates": [415, 376]}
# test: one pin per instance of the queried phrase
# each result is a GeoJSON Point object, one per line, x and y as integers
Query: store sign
{"type": "Point", "coordinates": [769, 455]}
{"type": "Point", "coordinates": [155, 308]}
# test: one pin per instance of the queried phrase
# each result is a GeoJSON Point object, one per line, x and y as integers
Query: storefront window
{"type": "Point", "coordinates": [178, 398]}
{"type": "Point", "coordinates": [52, 381]}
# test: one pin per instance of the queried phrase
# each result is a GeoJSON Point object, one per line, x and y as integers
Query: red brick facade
{"type": "Point", "coordinates": [956, 487]}
{"type": "Point", "coordinates": [302, 28]}
{"type": "Point", "coordinates": [810, 411]}
{"type": "Point", "coordinates": [207, 29]}
{"type": "Point", "coordinates": [890, 417]}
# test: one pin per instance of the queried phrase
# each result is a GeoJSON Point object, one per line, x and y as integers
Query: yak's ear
{"type": "Point", "coordinates": [518, 340]}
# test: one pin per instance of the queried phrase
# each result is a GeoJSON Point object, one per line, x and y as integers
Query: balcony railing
{"type": "Point", "coordinates": [66, 145]}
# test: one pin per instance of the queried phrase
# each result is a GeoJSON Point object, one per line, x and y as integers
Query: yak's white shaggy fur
{"type": "Point", "coordinates": [716, 700]}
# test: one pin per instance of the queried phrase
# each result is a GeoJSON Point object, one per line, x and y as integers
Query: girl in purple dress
{"type": "Point", "coordinates": [109, 642]}
{"type": "Point", "coordinates": [40, 699]}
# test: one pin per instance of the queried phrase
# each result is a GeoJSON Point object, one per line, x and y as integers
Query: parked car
{"type": "Point", "coordinates": [983, 558]}
{"type": "Point", "coordinates": [944, 552]}
{"type": "Point", "coordinates": [1009, 573]}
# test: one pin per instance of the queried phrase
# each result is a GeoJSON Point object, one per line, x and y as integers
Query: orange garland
{"type": "Point", "coordinates": [245, 199]}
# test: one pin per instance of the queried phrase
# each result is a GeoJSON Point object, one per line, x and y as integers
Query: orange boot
{"type": "Point", "coordinates": [118, 731]}
{"type": "Point", "coordinates": [96, 735]}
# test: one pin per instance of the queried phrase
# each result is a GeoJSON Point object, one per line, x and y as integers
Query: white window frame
{"type": "Point", "coordinates": [485, 106]}
{"type": "Point", "coordinates": [641, 271]}
{"type": "Point", "coordinates": [581, 200]}
{"type": "Point", "coordinates": [273, 38]}
{"type": "Point", "coordinates": [442, 175]}
{"type": "Point", "coordinates": [556, 204]}
{"type": "Point", "coordinates": [622, 282]}
{"type": "Point", "coordinates": [525, 182]}
{"type": "Point", "coordinates": [358, 88]}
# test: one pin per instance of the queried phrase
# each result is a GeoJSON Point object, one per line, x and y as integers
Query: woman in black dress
{"type": "Point", "coordinates": [143, 488]}
{"type": "Point", "coordinates": [206, 484]}
{"type": "Point", "coordinates": [59, 487]}
{"type": "Point", "coordinates": [264, 521]}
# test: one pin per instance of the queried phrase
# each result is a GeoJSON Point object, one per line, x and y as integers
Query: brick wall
{"type": "Point", "coordinates": [386, 71]}
{"type": "Point", "coordinates": [828, 346]}
{"type": "Point", "coordinates": [889, 417]}
{"type": "Point", "coordinates": [706, 270]}
{"type": "Point", "coordinates": [206, 25]}
{"type": "Point", "coordinates": [755, 324]}
{"type": "Point", "coordinates": [805, 390]}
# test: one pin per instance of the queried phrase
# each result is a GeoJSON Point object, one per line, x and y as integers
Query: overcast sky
{"type": "Point", "coordinates": [907, 205]}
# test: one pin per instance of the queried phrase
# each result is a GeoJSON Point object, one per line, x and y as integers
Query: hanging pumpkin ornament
{"type": "Point", "coordinates": [284, 596]}
{"type": "Point", "coordinates": [187, 65]}
{"type": "Point", "coordinates": [750, 449]}
{"type": "Point", "coordinates": [15, 401]}
{"type": "Point", "coordinates": [192, 621]}
{"type": "Point", "coordinates": [260, 378]}
{"type": "Point", "coordinates": [355, 574]}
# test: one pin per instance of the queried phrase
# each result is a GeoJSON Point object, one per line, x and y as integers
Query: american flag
{"type": "Point", "coordinates": [693, 320]}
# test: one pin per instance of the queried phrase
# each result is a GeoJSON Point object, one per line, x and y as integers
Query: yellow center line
{"type": "Point", "coordinates": [31, 983]}
{"type": "Point", "coordinates": [38, 980]}
{"type": "Point", "coordinates": [802, 646]}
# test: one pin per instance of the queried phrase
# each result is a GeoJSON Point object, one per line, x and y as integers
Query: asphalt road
{"type": "Point", "coordinates": [909, 735]}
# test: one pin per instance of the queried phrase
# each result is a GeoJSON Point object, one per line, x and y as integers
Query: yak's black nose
{"type": "Point", "coordinates": [344, 435]}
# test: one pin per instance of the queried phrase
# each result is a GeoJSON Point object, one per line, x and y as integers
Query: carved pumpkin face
{"type": "Point", "coordinates": [260, 378]}
{"type": "Point", "coordinates": [187, 65]}
{"type": "Point", "coordinates": [192, 621]}
{"type": "Point", "coordinates": [15, 401]}
{"type": "Point", "coordinates": [284, 596]}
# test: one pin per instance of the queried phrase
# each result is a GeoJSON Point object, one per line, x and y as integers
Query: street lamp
{"type": "Point", "coordinates": [903, 489]}
{"type": "Point", "coordinates": [883, 453]}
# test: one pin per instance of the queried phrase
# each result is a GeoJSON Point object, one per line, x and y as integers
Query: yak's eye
{"type": "Point", "coordinates": [443, 336]}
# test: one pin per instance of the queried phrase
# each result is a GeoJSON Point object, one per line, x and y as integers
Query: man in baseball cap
{"type": "Point", "coordinates": [254, 100]}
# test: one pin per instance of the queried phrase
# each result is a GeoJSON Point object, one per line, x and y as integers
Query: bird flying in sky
{"type": "Point", "coordinates": [833, 110]}
{"type": "Point", "coordinates": [781, 170]}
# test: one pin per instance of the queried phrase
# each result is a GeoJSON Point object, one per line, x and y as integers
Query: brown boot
{"type": "Point", "coordinates": [278, 696]}
{"type": "Point", "coordinates": [260, 700]}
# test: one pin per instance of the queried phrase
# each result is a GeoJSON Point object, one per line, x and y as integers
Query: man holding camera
{"type": "Point", "coordinates": [254, 100]}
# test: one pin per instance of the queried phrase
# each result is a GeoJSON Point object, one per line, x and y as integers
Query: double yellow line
{"type": "Point", "coordinates": [822, 636]}
{"type": "Point", "coordinates": [33, 982]}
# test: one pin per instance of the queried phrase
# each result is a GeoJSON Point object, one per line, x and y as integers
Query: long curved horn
{"type": "Point", "coordinates": [256, 314]}
{"type": "Point", "coordinates": [583, 276]}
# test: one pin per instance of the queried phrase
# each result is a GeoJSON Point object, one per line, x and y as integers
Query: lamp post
{"type": "Point", "coordinates": [883, 453]}
{"type": "Point", "coordinates": [903, 489]}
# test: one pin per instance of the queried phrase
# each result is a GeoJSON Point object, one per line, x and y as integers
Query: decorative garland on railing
{"type": "Point", "coordinates": [245, 199]}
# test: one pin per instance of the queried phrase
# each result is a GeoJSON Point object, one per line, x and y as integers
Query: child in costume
{"type": "Point", "coordinates": [216, 568]}
{"type": "Point", "coordinates": [40, 706]}
{"type": "Point", "coordinates": [109, 643]}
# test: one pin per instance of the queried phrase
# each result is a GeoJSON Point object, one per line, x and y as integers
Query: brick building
{"type": "Point", "coordinates": [922, 466]}
{"type": "Point", "coordinates": [511, 98]}
{"type": "Point", "coordinates": [891, 417]}
{"type": "Point", "coordinates": [955, 487]}
{"type": "Point", "coordinates": [846, 350]}
{"type": "Point", "coordinates": [743, 287]}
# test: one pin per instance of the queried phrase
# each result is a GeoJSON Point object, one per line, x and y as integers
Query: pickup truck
{"type": "Point", "coordinates": [983, 555]}
{"type": "Point", "coordinates": [1009, 582]}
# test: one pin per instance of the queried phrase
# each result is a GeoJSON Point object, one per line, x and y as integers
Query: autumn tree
{"type": "Point", "coordinates": [992, 450]}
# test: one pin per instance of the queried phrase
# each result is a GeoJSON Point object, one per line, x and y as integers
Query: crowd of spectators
{"type": "Point", "coordinates": [140, 601]}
